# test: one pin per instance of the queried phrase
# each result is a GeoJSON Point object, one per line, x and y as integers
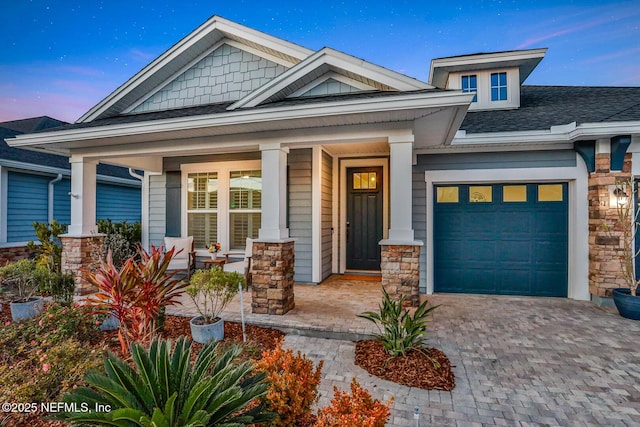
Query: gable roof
{"type": "Point", "coordinates": [185, 53]}
{"type": "Point", "coordinates": [322, 62]}
{"type": "Point", "coordinates": [542, 107]}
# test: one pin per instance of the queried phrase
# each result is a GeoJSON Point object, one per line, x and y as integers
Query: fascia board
{"type": "Point", "coordinates": [215, 23]}
{"type": "Point", "coordinates": [239, 117]}
{"type": "Point", "coordinates": [43, 169]}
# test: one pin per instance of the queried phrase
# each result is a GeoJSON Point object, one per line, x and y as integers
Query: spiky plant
{"type": "Point", "coordinates": [165, 389]}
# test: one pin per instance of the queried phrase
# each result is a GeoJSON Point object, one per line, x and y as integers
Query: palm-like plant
{"type": "Point", "coordinates": [399, 331]}
{"type": "Point", "coordinates": [165, 389]}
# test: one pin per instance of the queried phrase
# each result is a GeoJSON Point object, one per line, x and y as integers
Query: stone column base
{"type": "Point", "coordinates": [76, 257]}
{"type": "Point", "coordinates": [272, 277]}
{"type": "Point", "coordinates": [401, 272]}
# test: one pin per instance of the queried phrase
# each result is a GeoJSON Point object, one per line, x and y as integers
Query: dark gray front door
{"type": "Point", "coordinates": [364, 218]}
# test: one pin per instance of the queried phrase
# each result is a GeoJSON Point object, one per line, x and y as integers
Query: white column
{"type": "Point", "coordinates": [274, 192]}
{"type": "Point", "coordinates": [401, 166]}
{"type": "Point", "coordinates": [83, 197]}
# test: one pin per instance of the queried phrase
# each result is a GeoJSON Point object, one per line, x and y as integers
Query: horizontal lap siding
{"type": "Point", "coordinates": [118, 203]}
{"type": "Point", "coordinates": [299, 189]}
{"type": "Point", "coordinates": [327, 213]}
{"type": "Point", "coordinates": [157, 209]}
{"type": "Point", "coordinates": [62, 201]}
{"type": "Point", "coordinates": [27, 201]}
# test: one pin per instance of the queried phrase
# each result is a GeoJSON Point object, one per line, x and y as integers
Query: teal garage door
{"type": "Point", "coordinates": [508, 239]}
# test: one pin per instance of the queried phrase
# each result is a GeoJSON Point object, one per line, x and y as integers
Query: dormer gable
{"type": "Point", "coordinates": [494, 77]}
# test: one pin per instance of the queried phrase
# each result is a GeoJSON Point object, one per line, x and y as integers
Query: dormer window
{"type": "Point", "coordinates": [470, 84]}
{"type": "Point", "coordinates": [498, 86]}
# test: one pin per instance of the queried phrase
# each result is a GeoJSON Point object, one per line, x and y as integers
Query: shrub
{"type": "Point", "coordinates": [212, 290]}
{"type": "Point", "coordinates": [166, 389]}
{"type": "Point", "coordinates": [50, 248]}
{"type": "Point", "coordinates": [357, 409]}
{"type": "Point", "coordinates": [294, 384]}
{"type": "Point", "coordinates": [61, 286]}
{"type": "Point", "coordinates": [121, 238]}
{"type": "Point", "coordinates": [24, 275]}
{"type": "Point", "coordinates": [399, 331]}
{"type": "Point", "coordinates": [135, 293]}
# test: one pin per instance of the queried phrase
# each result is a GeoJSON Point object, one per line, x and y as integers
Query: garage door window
{"type": "Point", "coordinates": [447, 195]}
{"type": "Point", "coordinates": [481, 194]}
{"type": "Point", "coordinates": [514, 193]}
{"type": "Point", "coordinates": [550, 193]}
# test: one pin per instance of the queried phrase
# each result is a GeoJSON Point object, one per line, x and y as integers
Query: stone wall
{"type": "Point", "coordinates": [8, 255]}
{"type": "Point", "coordinates": [401, 272]}
{"type": "Point", "coordinates": [272, 277]}
{"type": "Point", "coordinates": [605, 236]}
{"type": "Point", "coordinates": [76, 256]}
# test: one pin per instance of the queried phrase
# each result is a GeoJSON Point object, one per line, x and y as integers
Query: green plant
{"type": "Point", "coordinates": [357, 409]}
{"type": "Point", "coordinates": [61, 286]}
{"type": "Point", "coordinates": [50, 248]}
{"type": "Point", "coordinates": [212, 290]}
{"type": "Point", "coordinates": [121, 238]}
{"type": "Point", "coordinates": [135, 293]}
{"type": "Point", "coordinates": [399, 330]}
{"type": "Point", "coordinates": [23, 274]}
{"type": "Point", "coordinates": [294, 385]}
{"type": "Point", "coordinates": [166, 389]}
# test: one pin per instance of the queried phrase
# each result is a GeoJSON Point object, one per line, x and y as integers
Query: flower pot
{"type": "Point", "coordinates": [205, 332]}
{"type": "Point", "coordinates": [214, 255]}
{"type": "Point", "coordinates": [110, 323]}
{"type": "Point", "coordinates": [628, 305]}
{"type": "Point", "coordinates": [26, 310]}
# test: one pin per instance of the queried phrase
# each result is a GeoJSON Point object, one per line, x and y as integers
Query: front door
{"type": "Point", "coordinates": [364, 218]}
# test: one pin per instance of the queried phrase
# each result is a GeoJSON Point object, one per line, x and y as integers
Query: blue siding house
{"type": "Point", "coordinates": [35, 187]}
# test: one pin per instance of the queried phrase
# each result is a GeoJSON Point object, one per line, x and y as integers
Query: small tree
{"type": "Point", "coordinates": [212, 290]}
{"type": "Point", "coordinates": [50, 248]}
{"type": "Point", "coordinates": [625, 192]}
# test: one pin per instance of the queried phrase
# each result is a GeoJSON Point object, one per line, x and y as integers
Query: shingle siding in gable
{"type": "Point", "coordinates": [299, 188]}
{"type": "Point", "coordinates": [227, 74]}
{"type": "Point", "coordinates": [330, 87]}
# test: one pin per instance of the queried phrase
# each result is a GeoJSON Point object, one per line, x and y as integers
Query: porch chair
{"type": "Point", "coordinates": [184, 257]}
{"type": "Point", "coordinates": [243, 267]}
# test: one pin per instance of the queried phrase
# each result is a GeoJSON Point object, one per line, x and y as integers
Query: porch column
{"type": "Point", "coordinates": [82, 234]}
{"type": "Point", "coordinates": [400, 255]}
{"type": "Point", "coordinates": [273, 251]}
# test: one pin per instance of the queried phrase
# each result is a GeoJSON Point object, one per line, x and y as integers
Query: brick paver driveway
{"type": "Point", "coordinates": [518, 361]}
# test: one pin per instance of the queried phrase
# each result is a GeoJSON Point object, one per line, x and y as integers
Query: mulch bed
{"type": "Point", "coordinates": [416, 369]}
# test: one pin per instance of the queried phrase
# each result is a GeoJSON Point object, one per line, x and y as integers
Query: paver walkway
{"type": "Point", "coordinates": [519, 361]}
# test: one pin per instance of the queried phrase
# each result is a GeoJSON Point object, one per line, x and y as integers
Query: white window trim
{"type": "Point", "coordinates": [577, 178]}
{"type": "Point", "coordinates": [223, 170]}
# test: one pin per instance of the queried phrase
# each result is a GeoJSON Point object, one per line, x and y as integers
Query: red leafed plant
{"type": "Point", "coordinates": [357, 409]}
{"type": "Point", "coordinates": [294, 385]}
{"type": "Point", "coordinates": [135, 293]}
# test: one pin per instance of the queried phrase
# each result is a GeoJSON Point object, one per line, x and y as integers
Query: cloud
{"type": "Point", "coordinates": [561, 32]}
{"type": "Point", "coordinates": [613, 55]}
{"type": "Point", "coordinates": [80, 70]}
{"type": "Point", "coordinates": [141, 56]}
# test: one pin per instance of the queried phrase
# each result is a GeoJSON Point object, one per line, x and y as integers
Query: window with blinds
{"type": "Point", "coordinates": [202, 207]}
{"type": "Point", "coordinates": [245, 206]}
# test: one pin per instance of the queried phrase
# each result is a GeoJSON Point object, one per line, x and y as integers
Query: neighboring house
{"type": "Point", "coordinates": [35, 187]}
{"type": "Point", "coordinates": [469, 183]}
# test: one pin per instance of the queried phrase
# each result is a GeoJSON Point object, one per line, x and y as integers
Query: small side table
{"type": "Point", "coordinates": [208, 263]}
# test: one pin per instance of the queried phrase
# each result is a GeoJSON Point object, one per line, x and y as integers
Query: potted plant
{"type": "Point", "coordinates": [626, 299]}
{"type": "Point", "coordinates": [23, 276]}
{"type": "Point", "coordinates": [213, 249]}
{"type": "Point", "coordinates": [211, 291]}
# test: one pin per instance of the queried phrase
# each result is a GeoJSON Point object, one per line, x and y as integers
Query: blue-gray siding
{"type": "Point", "coordinates": [157, 212]}
{"type": "Point", "coordinates": [326, 190]}
{"type": "Point", "coordinates": [300, 181]}
{"type": "Point", "coordinates": [28, 200]}
{"type": "Point", "coordinates": [497, 160]}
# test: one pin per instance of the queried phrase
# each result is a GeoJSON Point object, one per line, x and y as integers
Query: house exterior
{"type": "Point", "coordinates": [472, 182]}
{"type": "Point", "coordinates": [35, 186]}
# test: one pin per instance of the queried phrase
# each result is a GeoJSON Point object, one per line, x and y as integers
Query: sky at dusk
{"type": "Point", "coordinates": [59, 58]}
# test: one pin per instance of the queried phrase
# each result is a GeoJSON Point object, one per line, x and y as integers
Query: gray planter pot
{"type": "Point", "coordinates": [26, 310]}
{"type": "Point", "coordinates": [111, 323]}
{"type": "Point", "coordinates": [204, 333]}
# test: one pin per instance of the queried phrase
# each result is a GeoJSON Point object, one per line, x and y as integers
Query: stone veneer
{"type": "Point", "coordinates": [400, 267]}
{"type": "Point", "coordinates": [76, 255]}
{"type": "Point", "coordinates": [605, 246]}
{"type": "Point", "coordinates": [8, 255]}
{"type": "Point", "coordinates": [272, 277]}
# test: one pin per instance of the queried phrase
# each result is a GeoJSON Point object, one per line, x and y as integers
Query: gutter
{"type": "Point", "coordinates": [50, 194]}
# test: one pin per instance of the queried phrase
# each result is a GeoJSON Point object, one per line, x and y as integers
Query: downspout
{"type": "Point", "coordinates": [50, 204]}
{"type": "Point", "coordinates": [135, 175]}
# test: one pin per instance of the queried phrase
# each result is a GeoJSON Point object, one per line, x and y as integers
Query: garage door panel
{"type": "Point", "coordinates": [517, 246]}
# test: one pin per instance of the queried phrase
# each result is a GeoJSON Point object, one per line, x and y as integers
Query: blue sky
{"type": "Point", "coordinates": [59, 58]}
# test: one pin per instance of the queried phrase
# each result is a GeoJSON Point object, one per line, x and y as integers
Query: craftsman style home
{"type": "Point", "coordinates": [472, 182]}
